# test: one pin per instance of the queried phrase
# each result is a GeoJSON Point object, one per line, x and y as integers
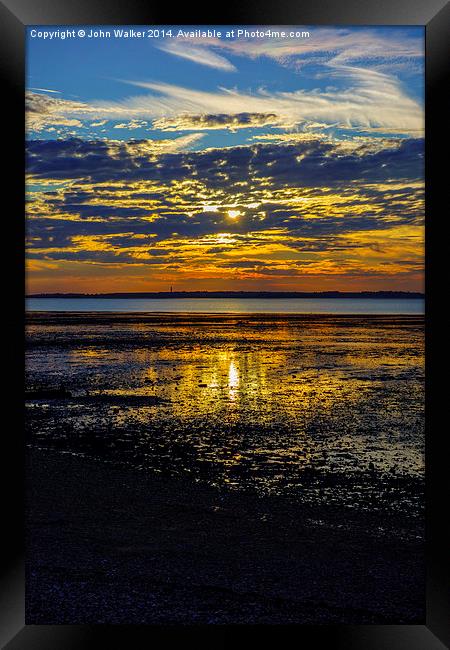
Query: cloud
{"type": "Point", "coordinates": [133, 124]}
{"type": "Point", "coordinates": [375, 100]}
{"type": "Point", "coordinates": [364, 62]}
{"type": "Point", "coordinates": [312, 162]}
{"type": "Point", "coordinates": [326, 46]}
{"type": "Point", "coordinates": [290, 138]}
{"type": "Point", "coordinates": [43, 112]}
{"type": "Point", "coordinates": [197, 54]}
{"type": "Point", "coordinates": [46, 90]}
{"type": "Point", "coordinates": [369, 100]}
{"type": "Point", "coordinates": [217, 121]}
{"type": "Point", "coordinates": [290, 204]}
{"type": "Point", "coordinates": [318, 208]}
{"type": "Point", "coordinates": [74, 157]}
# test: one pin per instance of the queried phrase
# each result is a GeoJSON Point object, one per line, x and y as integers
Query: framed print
{"type": "Point", "coordinates": [228, 228]}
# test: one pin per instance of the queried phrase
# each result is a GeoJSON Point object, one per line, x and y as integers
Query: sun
{"type": "Point", "coordinates": [234, 214]}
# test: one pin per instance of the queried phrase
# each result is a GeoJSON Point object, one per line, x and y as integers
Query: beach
{"type": "Point", "coordinates": [225, 469]}
{"type": "Point", "coordinates": [110, 545]}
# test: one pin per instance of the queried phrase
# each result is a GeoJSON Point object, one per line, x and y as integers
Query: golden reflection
{"type": "Point", "coordinates": [87, 354]}
{"type": "Point", "coordinates": [242, 396]}
{"type": "Point", "coordinates": [233, 380]}
{"type": "Point", "coordinates": [239, 372]}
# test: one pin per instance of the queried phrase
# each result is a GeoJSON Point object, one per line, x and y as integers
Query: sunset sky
{"type": "Point", "coordinates": [226, 163]}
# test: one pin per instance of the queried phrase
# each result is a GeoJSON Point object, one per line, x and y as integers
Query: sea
{"type": "Point", "coordinates": [414, 306]}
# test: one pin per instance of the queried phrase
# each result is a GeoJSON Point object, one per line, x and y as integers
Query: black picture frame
{"type": "Point", "coordinates": [15, 15]}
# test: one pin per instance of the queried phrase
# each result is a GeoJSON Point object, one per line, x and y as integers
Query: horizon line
{"type": "Point", "coordinates": [230, 293]}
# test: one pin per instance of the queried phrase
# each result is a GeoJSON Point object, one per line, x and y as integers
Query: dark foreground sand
{"type": "Point", "coordinates": [108, 544]}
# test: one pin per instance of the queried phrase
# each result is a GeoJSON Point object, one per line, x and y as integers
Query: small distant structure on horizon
{"type": "Point", "coordinates": [171, 289]}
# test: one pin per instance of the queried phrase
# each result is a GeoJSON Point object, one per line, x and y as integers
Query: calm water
{"type": "Point", "coordinates": [233, 305]}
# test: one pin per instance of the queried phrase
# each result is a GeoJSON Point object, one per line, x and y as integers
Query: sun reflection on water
{"type": "Point", "coordinates": [233, 380]}
{"type": "Point", "coordinates": [251, 403]}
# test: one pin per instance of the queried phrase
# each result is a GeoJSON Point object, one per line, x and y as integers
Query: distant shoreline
{"type": "Point", "coordinates": [271, 295]}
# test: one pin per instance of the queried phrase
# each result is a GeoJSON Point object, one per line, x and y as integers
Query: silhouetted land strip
{"type": "Point", "coordinates": [397, 295]}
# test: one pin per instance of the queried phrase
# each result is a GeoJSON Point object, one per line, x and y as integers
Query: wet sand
{"type": "Point", "coordinates": [112, 545]}
{"type": "Point", "coordinates": [225, 469]}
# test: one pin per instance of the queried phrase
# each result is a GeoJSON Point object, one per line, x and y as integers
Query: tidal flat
{"type": "Point", "coordinates": [201, 468]}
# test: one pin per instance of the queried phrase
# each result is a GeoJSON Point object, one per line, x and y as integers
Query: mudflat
{"type": "Point", "coordinates": [225, 469]}
{"type": "Point", "coordinates": [109, 544]}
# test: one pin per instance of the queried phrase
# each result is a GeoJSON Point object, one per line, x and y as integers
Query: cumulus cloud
{"type": "Point", "coordinates": [43, 111]}
{"type": "Point", "coordinates": [74, 158]}
{"type": "Point", "coordinates": [305, 163]}
{"type": "Point", "coordinates": [133, 124]}
{"type": "Point", "coordinates": [217, 121]}
{"type": "Point", "coordinates": [348, 210]}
